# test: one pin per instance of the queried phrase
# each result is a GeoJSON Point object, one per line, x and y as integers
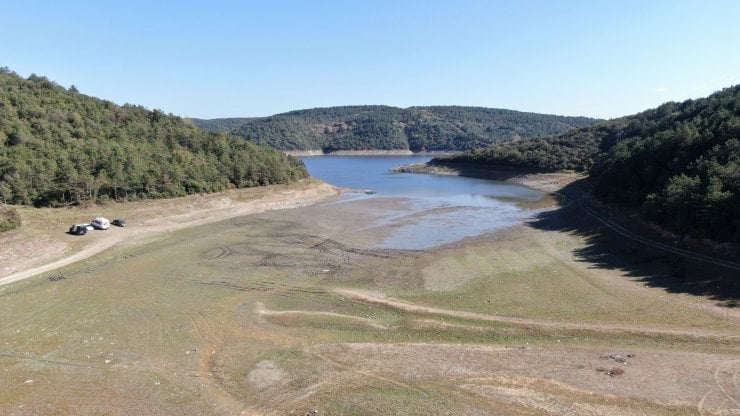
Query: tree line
{"type": "Point", "coordinates": [60, 147]}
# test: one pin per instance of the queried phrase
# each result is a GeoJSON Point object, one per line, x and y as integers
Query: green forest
{"type": "Point", "coordinates": [390, 128]}
{"type": "Point", "coordinates": [220, 125]}
{"type": "Point", "coordinates": [679, 163]}
{"type": "Point", "coordinates": [60, 147]}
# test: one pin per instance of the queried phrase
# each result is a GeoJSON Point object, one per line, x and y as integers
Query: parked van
{"type": "Point", "coordinates": [100, 223]}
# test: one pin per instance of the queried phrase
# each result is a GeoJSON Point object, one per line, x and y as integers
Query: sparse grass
{"type": "Point", "coordinates": [541, 281]}
{"type": "Point", "coordinates": [374, 399]}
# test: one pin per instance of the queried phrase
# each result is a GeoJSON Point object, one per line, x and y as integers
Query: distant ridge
{"type": "Point", "coordinates": [375, 127]}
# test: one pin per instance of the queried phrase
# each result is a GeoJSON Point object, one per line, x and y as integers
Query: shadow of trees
{"type": "Point", "coordinates": [607, 249]}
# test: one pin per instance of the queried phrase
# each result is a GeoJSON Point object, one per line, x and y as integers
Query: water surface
{"type": "Point", "coordinates": [443, 209]}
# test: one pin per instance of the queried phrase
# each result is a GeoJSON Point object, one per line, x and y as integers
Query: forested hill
{"type": "Point", "coordinates": [679, 163]}
{"type": "Point", "coordinates": [58, 146]}
{"type": "Point", "coordinates": [390, 128]}
{"type": "Point", "coordinates": [220, 125]}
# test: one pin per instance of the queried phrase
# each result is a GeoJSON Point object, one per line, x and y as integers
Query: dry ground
{"type": "Point", "coordinates": [41, 244]}
{"type": "Point", "coordinates": [287, 312]}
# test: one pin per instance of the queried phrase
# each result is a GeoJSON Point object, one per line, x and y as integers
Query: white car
{"type": "Point", "coordinates": [100, 223]}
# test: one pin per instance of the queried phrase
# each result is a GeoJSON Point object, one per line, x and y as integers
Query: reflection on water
{"type": "Point", "coordinates": [443, 209]}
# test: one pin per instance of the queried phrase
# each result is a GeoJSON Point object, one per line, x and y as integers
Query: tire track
{"type": "Point", "coordinates": [367, 373]}
{"type": "Point", "coordinates": [207, 356]}
{"type": "Point", "coordinates": [725, 397]}
{"type": "Point", "coordinates": [312, 294]}
{"type": "Point", "coordinates": [223, 251]}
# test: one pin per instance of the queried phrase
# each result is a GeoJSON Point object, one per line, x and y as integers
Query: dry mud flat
{"type": "Point", "coordinates": [298, 311]}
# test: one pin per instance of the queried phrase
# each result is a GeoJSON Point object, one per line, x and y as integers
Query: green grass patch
{"type": "Point", "coordinates": [9, 218]}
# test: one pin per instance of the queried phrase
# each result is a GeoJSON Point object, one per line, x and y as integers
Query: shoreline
{"type": "Point", "coordinates": [555, 184]}
{"type": "Point", "coordinates": [546, 182]}
{"type": "Point", "coordinates": [393, 152]}
{"type": "Point", "coordinates": [146, 219]}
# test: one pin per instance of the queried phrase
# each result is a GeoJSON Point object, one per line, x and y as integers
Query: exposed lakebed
{"type": "Point", "coordinates": [431, 210]}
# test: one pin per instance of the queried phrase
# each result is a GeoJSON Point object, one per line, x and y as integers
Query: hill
{"type": "Point", "coordinates": [679, 163]}
{"type": "Point", "coordinates": [58, 146]}
{"type": "Point", "coordinates": [391, 128]}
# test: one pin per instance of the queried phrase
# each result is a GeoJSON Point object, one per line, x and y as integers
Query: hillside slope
{"type": "Point", "coordinates": [390, 128]}
{"type": "Point", "coordinates": [679, 163]}
{"type": "Point", "coordinates": [58, 146]}
{"type": "Point", "coordinates": [220, 125]}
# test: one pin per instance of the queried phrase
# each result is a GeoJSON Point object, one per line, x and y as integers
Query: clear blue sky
{"type": "Point", "coordinates": [254, 58]}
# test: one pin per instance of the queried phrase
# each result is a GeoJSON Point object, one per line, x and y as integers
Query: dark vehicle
{"type": "Point", "coordinates": [78, 229]}
{"type": "Point", "coordinates": [119, 223]}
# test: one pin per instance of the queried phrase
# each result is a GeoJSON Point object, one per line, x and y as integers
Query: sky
{"type": "Point", "coordinates": [248, 58]}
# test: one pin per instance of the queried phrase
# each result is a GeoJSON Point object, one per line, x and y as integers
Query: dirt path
{"type": "Point", "coordinates": [379, 299]}
{"type": "Point", "coordinates": [261, 311]}
{"type": "Point", "coordinates": [219, 208]}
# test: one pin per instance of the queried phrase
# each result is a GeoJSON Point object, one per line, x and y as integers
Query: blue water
{"type": "Point", "coordinates": [445, 208]}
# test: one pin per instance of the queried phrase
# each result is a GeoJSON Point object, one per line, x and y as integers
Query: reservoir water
{"type": "Point", "coordinates": [440, 209]}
